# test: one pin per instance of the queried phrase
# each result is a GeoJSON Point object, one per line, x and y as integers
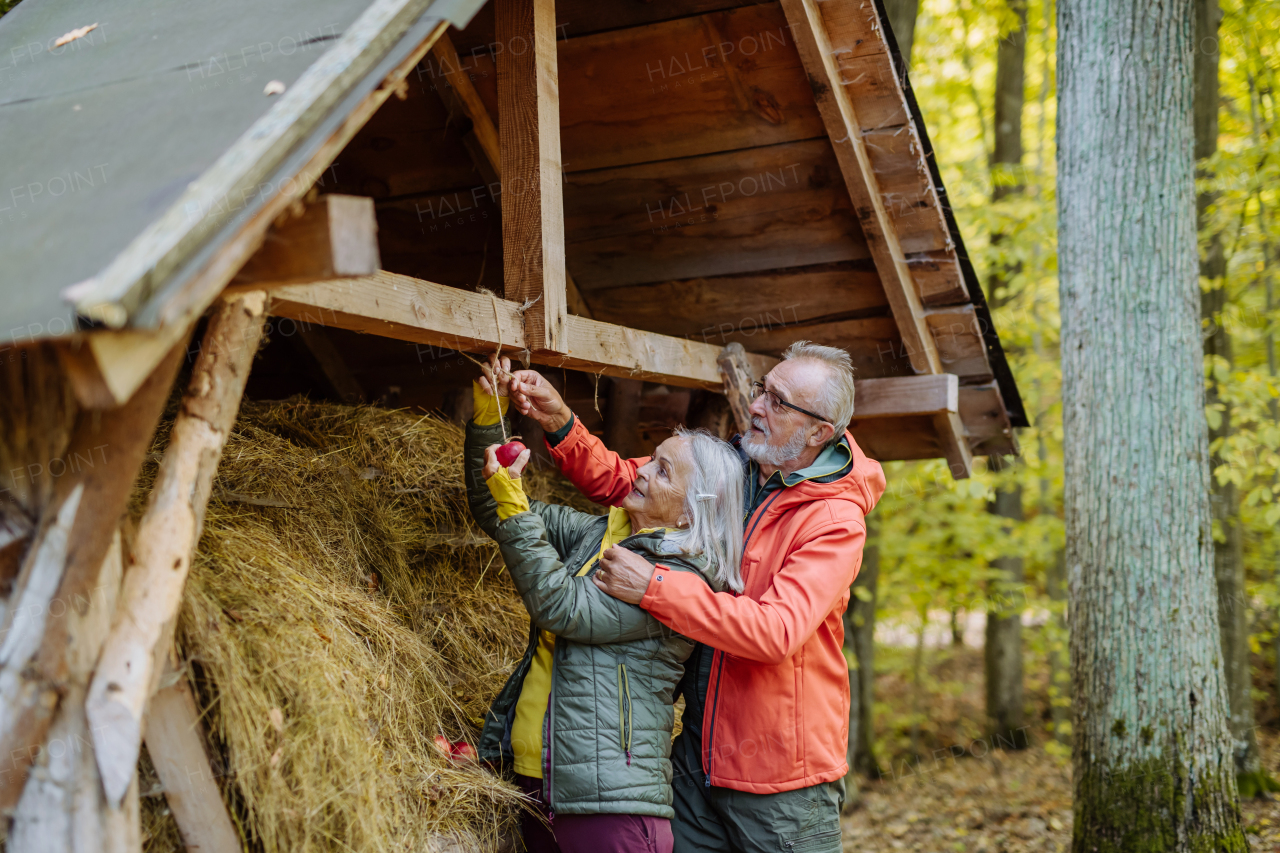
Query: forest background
{"type": "Point", "coordinates": [964, 588]}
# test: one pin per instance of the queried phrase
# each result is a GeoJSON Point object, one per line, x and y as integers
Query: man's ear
{"type": "Point", "coordinates": [821, 435]}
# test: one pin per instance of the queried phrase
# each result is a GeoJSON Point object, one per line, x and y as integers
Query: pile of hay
{"type": "Point", "coordinates": [343, 610]}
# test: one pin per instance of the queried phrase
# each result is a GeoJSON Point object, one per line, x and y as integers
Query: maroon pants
{"type": "Point", "coordinates": [590, 833]}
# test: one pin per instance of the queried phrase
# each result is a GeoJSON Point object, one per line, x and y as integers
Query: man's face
{"type": "Point", "coordinates": [777, 437]}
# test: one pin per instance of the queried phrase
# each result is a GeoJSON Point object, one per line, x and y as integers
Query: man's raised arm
{"type": "Point", "coordinates": [596, 471]}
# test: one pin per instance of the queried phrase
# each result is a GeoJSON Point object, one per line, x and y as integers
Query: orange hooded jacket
{"type": "Point", "coordinates": [777, 711]}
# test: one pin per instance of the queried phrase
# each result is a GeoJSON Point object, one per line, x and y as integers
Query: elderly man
{"type": "Point", "coordinates": [761, 761]}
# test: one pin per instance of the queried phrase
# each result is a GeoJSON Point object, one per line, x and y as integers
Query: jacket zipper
{"type": "Point", "coordinates": [717, 662]}
{"type": "Point", "coordinates": [624, 708]}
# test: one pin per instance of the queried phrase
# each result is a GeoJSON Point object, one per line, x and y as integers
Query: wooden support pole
{"type": "Point", "coordinates": [622, 417]}
{"type": "Point", "coordinates": [177, 751]}
{"type": "Point", "coordinates": [532, 184]}
{"type": "Point", "coordinates": [63, 569]}
{"type": "Point", "coordinates": [335, 237]}
{"type": "Point", "coordinates": [461, 97]}
{"type": "Point", "coordinates": [167, 537]}
{"type": "Point", "coordinates": [737, 375]}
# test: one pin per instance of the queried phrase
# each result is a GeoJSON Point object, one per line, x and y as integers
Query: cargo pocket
{"type": "Point", "coordinates": [624, 708]}
{"type": "Point", "coordinates": [827, 841]}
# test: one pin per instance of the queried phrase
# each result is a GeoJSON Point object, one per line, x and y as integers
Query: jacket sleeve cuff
{"type": "Point", "coordinates": [554, 438]}
{"type": "Point", "coordinates": [661, 576]}
{"type": "Point", "coordinates": [564, 443]}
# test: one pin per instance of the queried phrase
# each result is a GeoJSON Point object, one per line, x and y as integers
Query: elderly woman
{"type": "Point", "coordinates": [586, 717]}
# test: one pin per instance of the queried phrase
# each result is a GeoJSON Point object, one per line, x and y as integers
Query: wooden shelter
{"type": "Point", "coordinates": [606, 189]}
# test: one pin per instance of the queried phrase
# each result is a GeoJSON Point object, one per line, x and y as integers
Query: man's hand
{"type": "Point", "coordinates": [533, 395]}
{"type": "Point", "coordinates": [623, 574]}
{"type": "Point", "coordinates": [491, 463]}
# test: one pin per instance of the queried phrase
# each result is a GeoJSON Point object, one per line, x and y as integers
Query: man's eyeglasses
{"type": "Point", "coordinates": [778, 404]}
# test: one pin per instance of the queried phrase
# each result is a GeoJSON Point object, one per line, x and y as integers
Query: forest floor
{"type": "Point", "coordinates": [971, 797]}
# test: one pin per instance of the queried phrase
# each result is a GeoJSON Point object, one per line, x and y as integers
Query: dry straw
{"type": "Point", "coordinates": [343, 611]}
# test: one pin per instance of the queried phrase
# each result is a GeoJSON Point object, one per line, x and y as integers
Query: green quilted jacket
{"type": "Point", "coordinates": [615, 668]}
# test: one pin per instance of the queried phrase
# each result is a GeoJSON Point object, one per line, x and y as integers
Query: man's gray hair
{"type": "Point", "coordinates": [713, 505]}
{"type": "Point", "coordinates": [835, 401]}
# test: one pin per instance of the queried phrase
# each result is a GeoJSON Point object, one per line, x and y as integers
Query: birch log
{"type": "Point", "coordinates": [166, 539]}
{"type": "Point", "coordinates": [62, 806]}
{"type": "Point", "coordinates": [61, 572]}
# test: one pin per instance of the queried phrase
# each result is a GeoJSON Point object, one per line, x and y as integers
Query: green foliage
{"type": "Point", "coordinates": [936, 537]}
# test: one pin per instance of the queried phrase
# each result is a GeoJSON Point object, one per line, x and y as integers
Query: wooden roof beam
{"type": "Point", "coordinates": [532, 182]}
{"type": "Point", "coordinates": [836, 107]}
{"type": "Point", "coordinates": [448, 318]}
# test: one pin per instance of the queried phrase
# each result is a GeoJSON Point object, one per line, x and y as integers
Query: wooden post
{"type": "Point", "coordinates": [532, 185]}
{"type": "Point", "coordinates": [622, 417]}
{"type": "Point", "coordinates": [178, 753]}
{"type": "Point", "coordinates": [62, 569]}
{"type": "Point", "coordinates": [461, 97]}
{"type": "Point", "coordinates": [736, 372]}
{"type": "Point", "coordinates": [167, 537]}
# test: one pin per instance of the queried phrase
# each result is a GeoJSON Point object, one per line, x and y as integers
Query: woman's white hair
{"type": "Point", "coordinates": [836, 398]}
{"type": "Point", "coordinates": [713, 505]}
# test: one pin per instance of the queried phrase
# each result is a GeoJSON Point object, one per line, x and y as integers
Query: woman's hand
{"type": "Point", "coordinates": [491, 464]}
{"type": "Point", "coordinates": [496, 376]}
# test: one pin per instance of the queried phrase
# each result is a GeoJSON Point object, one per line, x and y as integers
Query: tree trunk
{"type": "Point", "coordinates": [1059, 670]}
{"type": "Point", "coordinates": [859, 638]}
{"type": "Point", "coordinates": [1011, 84]}
{"type": "Point", "coordinates": [1002, 653]}
{"type": "Point", "coordinates": [1003, 646]}
{"type": "Point", "coordinates": [902, 21]}
{"type": "Point", "coordinates": [1152, 757]}
{"type": "Point", "coordinates": [1228, 553]}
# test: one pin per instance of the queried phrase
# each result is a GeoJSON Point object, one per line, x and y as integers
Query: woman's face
{"type": "Point", "coordinates": [656, 498]}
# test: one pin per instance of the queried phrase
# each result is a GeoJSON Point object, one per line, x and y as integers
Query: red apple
{"type": "Point", "coordinates": [442, 744]}
{"type": "Point", "coordinates": [509, 453]}
{"type": "Point", "coordinates": [464, 752]}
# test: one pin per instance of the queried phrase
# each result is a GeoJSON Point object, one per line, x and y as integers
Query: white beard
{"type": "Point", "coordinates": [759, 448]}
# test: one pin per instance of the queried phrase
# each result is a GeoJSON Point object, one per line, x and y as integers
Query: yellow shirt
{"type": "Point", "coordinates": [531, 707]}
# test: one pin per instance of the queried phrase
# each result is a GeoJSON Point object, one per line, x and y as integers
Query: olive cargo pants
{"type": "Point", "coordinates": [721, 820]}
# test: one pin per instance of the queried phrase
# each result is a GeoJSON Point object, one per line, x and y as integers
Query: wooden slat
{"type": "Point", "coordinates": [707, 309]}
{"type": "Point", "coordinates": [177, 750]}
{"type": "Point", "coordinates": [533, 196]}
{"type": "Point", "coordinates": [890, 398]}
{"type": "Point", "coordinates": [957, 333]}
{"type": "Point", "coordinates": [684, 88]}
{"type": "Point", "coordinates": [833, 84]}
{"type": "Point", "coordinates": [736, 212]}
{"type": "Point", "coordinates": [336, 237]}
{"type": "Point", "coordinates": [938, 278]}
{"type": "Point", "coordinates": [986, 421]}
{"type": "Point", "coordinates": [860, 180]}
